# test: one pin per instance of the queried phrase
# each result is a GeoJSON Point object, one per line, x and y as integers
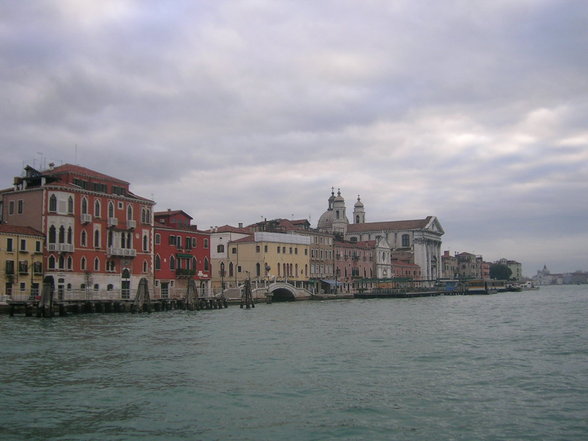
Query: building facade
{"type": "Point", "coordinates": [182, 253]}
{"type": "Point", "coordinates": [98, 234]}
{"type": "Point", "coordinates": [21, 262]}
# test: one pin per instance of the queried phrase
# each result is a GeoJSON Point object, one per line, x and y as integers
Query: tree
{"type": "Point", "coordinates": [500, 271]}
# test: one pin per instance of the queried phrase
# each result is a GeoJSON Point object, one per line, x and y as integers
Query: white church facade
{"type": "Point", "coordinates": [415, 241]}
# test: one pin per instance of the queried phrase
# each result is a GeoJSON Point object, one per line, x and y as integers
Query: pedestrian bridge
{"type": "Point", "coordinates": [276, 291]}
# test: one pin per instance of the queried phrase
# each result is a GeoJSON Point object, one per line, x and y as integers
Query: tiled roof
{"type": "Point", "coordinates": [389, 225]}
{"type": "Point", "coordinates": [18, 229]}
{"type": "Point", "coordinates": [82, 171]}
{"type": "Point", "coordinates": [230, 229]}
{"type": "Point", "coordinates": [171, 213]}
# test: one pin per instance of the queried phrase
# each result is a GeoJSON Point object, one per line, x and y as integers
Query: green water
{"type": "Point", "coordinates": [510, 366]}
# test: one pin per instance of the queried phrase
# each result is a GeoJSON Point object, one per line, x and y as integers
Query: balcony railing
{"type": "Point", "coordinates": [86, 218]}
{"type": "Point", "coordinates": [65, 247]}
{"type": "Point", "coordinates": [181, 272]}
{"type": "Point", "coordinates": [112, 221]}
{"type": "Point", "coordinates": [131, 224]}
{"type": "Point", "coordinates": [126, 252]}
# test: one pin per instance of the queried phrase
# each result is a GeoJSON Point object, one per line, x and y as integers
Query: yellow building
{"type": "Point", "coordinates": [267, 256]}
{"type": "Point", "coordinates": [21, 262]}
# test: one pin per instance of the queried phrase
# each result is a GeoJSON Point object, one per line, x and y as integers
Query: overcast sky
{"type": "Point", "coordinates": [472, 111]}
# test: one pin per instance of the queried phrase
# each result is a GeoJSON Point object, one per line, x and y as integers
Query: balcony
{"type": "Point", "coordinates": [65, 247]}
{"type": "Point", "coordinates": [185, 273]}
{"type": "Point", "coordinates": [51, 247]}
{"type": "Point", "coordinates": [86, 218]}
{"type": "Point", "coordinates": [131, 224]}
{"type": "Point", "coordinates": [125, 252]}
{"type": "Point", "coordinates": [112, 221]}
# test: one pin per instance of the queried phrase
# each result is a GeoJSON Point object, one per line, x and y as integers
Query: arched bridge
{"type": "Point", "coordinates": [282, 292]}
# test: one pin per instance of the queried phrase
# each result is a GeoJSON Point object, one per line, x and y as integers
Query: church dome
{"type": "Point", "coordinates": [326, 220]}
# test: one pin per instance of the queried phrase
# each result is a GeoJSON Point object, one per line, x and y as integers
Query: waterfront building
{"type": "Point", "coordinates": [420, 238]}
{"type": "Point", "coordinates": [98, 234]}
{"type": "Point", "coordinates": [182, 253]}
{"type": "Point", "coordinates": [21, 262]}
{"type": "Point", "coordinates": [468, 266]}
{"type": "Point", "coordinates": [515, 267]}
{"type": "Point", "coordinates": [321, 266]}
{"type": "Point", "coordinates": [355, 261]}
{"type": "Point", "coordinates": [449, 266]}
{"type": "Point", "coordinates": [220, 237]}
{"type": "Point", "coordinates": [268, 256]}
{"type": "Point", "coordinates": [405, 270]}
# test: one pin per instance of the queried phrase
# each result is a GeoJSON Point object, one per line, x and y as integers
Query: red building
{"type": "Point", "coordinates": [182, 253]}
{"type": "Point", "coordinates": [353, 261]}
{"type": "Point", "coordinates": [98, 233]}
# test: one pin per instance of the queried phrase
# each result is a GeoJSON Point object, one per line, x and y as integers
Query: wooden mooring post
{"type": "Point", "coordinates": [247, 296]}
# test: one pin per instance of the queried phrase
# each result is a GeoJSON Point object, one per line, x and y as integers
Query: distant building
{"type": "Point", "coordinates": [21, 262]}
{"type": "Point", "coordinates": [98, 234]}
{"type": "Point", "coordinates": [449, 265]}
{"type": "Point", "coordinates": [515, 267]}
{"type": "Point", "coordinates": [182, 253]}
{"type": "Point", "coordinates": [420, 239]}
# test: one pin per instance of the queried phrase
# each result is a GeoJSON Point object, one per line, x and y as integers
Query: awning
{"type": "Point", "coordinates": [184, 256]}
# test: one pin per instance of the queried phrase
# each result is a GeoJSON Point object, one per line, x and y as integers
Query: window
{"type": "Point", "coordinates": [258, 269]}
{"type": "Point", "coordinates": [69, 235]}
{"type": "Point", "coordinates": [172, 240]}
{"type": "Point", "coordinates": [194, 243]}
{"type": "Point", "coordinates": [157, 238]}
{"type": "Point", "coordinates": [38, 246]}
{"type": "Point", "coordinates": [145, 266]}
{"type": "Point", "coordinates": [11, 207]}
{"type": "Point", "coordinates": [405, 240]}
{"type": "Point", "coordinates": [20, 206]}
{"type": "Point", "coordinates": [53, 203]}
{"type": "Point", "coordinates": [109, 287]}
{"type": "Point", "coordinates": [110, 209]}
{"type": "Point", "coordinates": [84, 206]}
{"type": "Point", "coordinates": [206, 264]}
{"type": "Point", "coordinates": [83, 264]}
{"type": "Point", "coordinates": [220, 248]}
{"type": "Point", "coordinates": [97, 239]}
{"type": "Point", "coordinates": [279, 250]}
{"type": "Point", "coordinates": [84, 239]}
{"type": "Point", "coordinates": [257, 248]}
{"type": "Point", "coordinates": [9, 246]}
{"type": "Point", "coordinates": [231, 270]}
{"type": "Point", "coordinates": [51, 262]}
{"type": "Point", "coordinates": [179, 241]}
{"type": "Point", "coordinates": [234, 250]}
{"type": "Point", "coordinates": [206, 243]}
{"type": "Point", "coordinates": [23, 286]}
{"type": "Point", "coordinates": [70, 205]}
{"type": "Point", "coordinates": [37, 268]}
{"type": "Point", "coordinates": [130, 212]}
{"type": "Point", "coordinates": [172, 263]}
{"type": "Point", "coordinates": [265, 248]}
{"type": "Point", "coordinates": [23, 245]}
{"type": "Point", "coordinates": [145, 243]}
{"type": "Point", "coordinates": [9, 267]}
{"type": "Point", "coordinates": [97, 208]}
{"type": "Point", "coordinates": [96, 287]}
{"type": "Point", "coordinates": [157, 262]}
{"type": "Point", "coordinates": [96, 264]}
{"type": "Point", "coordinates": [69, 263]}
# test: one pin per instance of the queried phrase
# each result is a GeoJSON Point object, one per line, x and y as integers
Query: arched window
{"type": "Point", "coordinates": [84, 238]}
{"type": "Point", "coordinates": [83, 264]}
{"type": "Point", "coordinates": [52, 234]}
{"type": "Point", "coordinates": [53, 203]}
{"type": "Point", "coordinates": [157, 262]}
{"type": "Point", "coordinates": [70, 205]}
{"type": "Point", "coordinates": [110, 209]}
{"type": "Point", "coordinates": [130, 212]}
{"type": "Point", "coordinates": [69, 235]}
{"type": "Point", "coordinates": [96, 264]}
{"type": "Point", "coordinates": [84, 205]}
{"type": "Point", "coordinates": [110, 238]}
{"type": "Point", "coordinates": [145, 266]}
{"type": "Point", "coordinates": [97, 239]}
{"type": "Point", "coordinates": [51, 263]}
{"type": "Point", "coordinates": [145, 243]}
{"type": "Point", "coordinates": [194, 263]}
{"type": "Point", "coordinates": [62, 234]}
{"type": "Point", "coordinates": [172, 263]}
{"type": "Point", "coordinates": [231, 270]}
{"type": "Point", "coordinates": [220, 248]}
{"type": "Point", "coordinates": [69, 263]}
{"type": "Point", "coordinates": [61, 262]}
{"type": "Point", "coordinates": [206, 264]}
{"type": "Point", "coordinates": [97, 208]}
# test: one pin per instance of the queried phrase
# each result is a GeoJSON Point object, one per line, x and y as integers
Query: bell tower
{"type": "Point", "coordinates": [358, 212]}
